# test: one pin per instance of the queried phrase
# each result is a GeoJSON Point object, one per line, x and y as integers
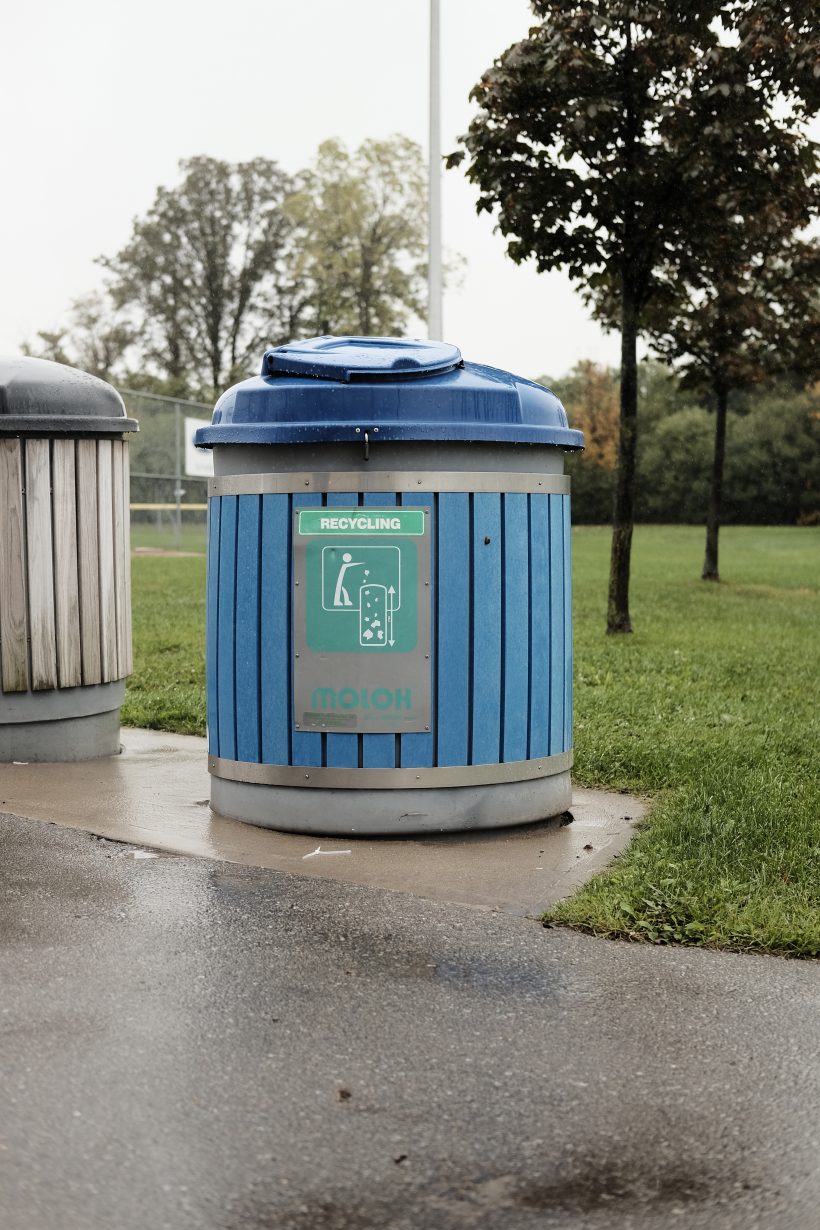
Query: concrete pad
{"type": "Point", "coordinates": [156, 794]}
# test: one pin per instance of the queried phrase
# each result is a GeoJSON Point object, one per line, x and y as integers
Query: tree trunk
{"type": "Point", "coordinates": [618, 605]}
{"type": "Point", "coordinates": [710, 562]}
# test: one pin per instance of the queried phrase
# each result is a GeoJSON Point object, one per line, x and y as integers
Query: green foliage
{"type": "Point", "coordinates": [361, 220]}
{"type": "Point", "coordinates": [706, 709]}
{"type": "Point", "coordinates": [205, 270]}
{"type": "Point", "coordinates": [773, 464]}
{"type": "Point", "coordinates": [773, 468]}
{"type": "Point", "coordinates": [623, 139]}
{"type": "Point", "coordinates": [238, 257]}
{"type": "Point", "coordinates": [673, 467]}
{"type": "Point", "coordinates": [96, 337]}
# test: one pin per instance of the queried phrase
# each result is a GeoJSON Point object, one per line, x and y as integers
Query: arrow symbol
{"type": "Point", "coordinates": [391, 593]}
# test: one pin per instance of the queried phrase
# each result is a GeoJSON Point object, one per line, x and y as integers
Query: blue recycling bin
{"type": "Point", "coordinates": [389, 622]}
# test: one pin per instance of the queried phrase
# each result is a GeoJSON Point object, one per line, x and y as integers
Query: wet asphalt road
{"type": "Point", "coordinates": [194, 1044]}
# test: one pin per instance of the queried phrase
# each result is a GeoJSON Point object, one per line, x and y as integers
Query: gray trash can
{"type": "Point", "coordinates": [389, 644]}
{"type": "Point", "coordinates": [65, 590]}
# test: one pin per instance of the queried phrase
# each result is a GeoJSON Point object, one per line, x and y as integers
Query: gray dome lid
{"type": "Point", "coordinates": [38, 397]}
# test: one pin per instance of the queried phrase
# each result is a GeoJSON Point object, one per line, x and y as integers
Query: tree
{"type": "Point", "coordinates": [236, 258]}
{"type": "Point", "coordinates": [97, 338]}
{"type": "Point", "coordinates": [206, 272]}
{"type": "Point", "coordinates": [590, 397]}
{"type": "Point", "coordinates": [772, 470]}
{"type": "Point", "coordinates": [607, 142]}
{"type": "Point", "coordinates": [749, 312]}
{"type": "Point", "coordinates": [589, 394]}
{"type": "Point", "coordinates": [361, 220]}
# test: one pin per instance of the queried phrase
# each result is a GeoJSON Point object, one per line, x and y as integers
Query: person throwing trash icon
{"type": "Point", "coordinates": [341, 597]}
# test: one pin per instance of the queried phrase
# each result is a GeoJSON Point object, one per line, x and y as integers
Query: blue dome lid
{"type": "Point", "coordinates": [332, 389]}
{"type": "Point", "coordinates": [357, 358]}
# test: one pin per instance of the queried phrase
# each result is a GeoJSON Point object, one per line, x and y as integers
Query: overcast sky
{"type": "Point", "coordinates": [101, 99]}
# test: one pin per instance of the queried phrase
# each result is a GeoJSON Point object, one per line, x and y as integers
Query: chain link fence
{"type": "Point", "coordinates": [168, 504]}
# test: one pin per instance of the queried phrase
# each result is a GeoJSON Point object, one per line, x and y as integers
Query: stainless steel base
{"type": "Point", "coordinates": [392, 813]}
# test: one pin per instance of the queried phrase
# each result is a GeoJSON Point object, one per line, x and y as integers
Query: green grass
{"type": "Point", "coordinates": [709, 708]}
{"type": "Point", "coordinates": [163, 537]}
{"type": "Point", "coordinates": [167, 689]}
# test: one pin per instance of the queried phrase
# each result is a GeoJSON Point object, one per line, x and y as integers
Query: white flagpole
{"type": "Point", "coordinates": [435, 326]}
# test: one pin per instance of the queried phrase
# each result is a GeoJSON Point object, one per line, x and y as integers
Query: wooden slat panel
{"type": "Point", "coordinates": [88, 556]}
{"type": "Point", "coordinates": [379, 751]}
{"type": "Point", "coordinates": [486, 664]}
{"type": "Point", "coordinates": [277, 531]}
{"type": "Point", "coordinates": [126, 536]}
{"type": "Point", "coordinates": [540, 623]}
{"type": "Point", "coordinates": [13, 647]}
{"type": "Point", "coordinates": [306, 747]}
{"type": "Point", "coordinates": [40, 553]}
{"type": "Point", "coordinates": [212, 625]}
{"type": "Point", "coordinates": [557, 664]}
{"type": "Point", "coordinates": [105, 524]}
{"type": "Point", "coordinates": [226, 682]}
{"type": "Point", "coordinates": [417, 749]}
{"type": "Point", "coordinates": [567, 627]}
{"type": "Point", "coordinates": [119, 557]}
{"type": "Point", "coordinates": [248, 564]}
{"type": "Point", "coordinates": [342, 750]}
{"type": "Point", "coordinates": [453, 573]}
{"type": "Point", "coordinates": [516, 632]}
{"type": "Point", "coordinates": [66, 595]}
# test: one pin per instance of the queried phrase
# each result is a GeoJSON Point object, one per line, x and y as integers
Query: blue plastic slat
{"type": "Point", "coordinates": [343, 750]}
{"type": "Point", "coordinates": [248, 564]}
{"type": "Point", "coordinates": [453, 649]}
{"type": "Point", "coordinates": [486, 637]}
{"type": "Point", "coordinates": [516, 631]}
{"type": "Point", "coordinates": [211, 634]}
{"type": "Point", "coordinates": [379, 751]}
{"type": "Point", "coordinates": [557, 665]}
{"type": "Point", "coordinates": [567, 627]}
{"type": "Point", "coordinates": [417, 749]}
{"type": "Point", "coordinates": [306, 748]}
{"type": "Point", "coordinates": [540, 626]}
{"type": "Point", "coordinates": [275, 629]}
{"type": "Point", "coordinates": [226, 620]}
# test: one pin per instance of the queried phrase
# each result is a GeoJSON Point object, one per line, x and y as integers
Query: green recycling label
{"type": "Point", "coordinates": [404, 521]}
{"type": "Point", "coordinates": [362, 619]}
{"type": "Point", "coordinates": [361, 598]}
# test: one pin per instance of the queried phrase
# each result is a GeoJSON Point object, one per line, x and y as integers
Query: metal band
{"type": "Point", "coordinates": [388, 779]}
{"type": "Point", "coordinates": [388, 480]}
